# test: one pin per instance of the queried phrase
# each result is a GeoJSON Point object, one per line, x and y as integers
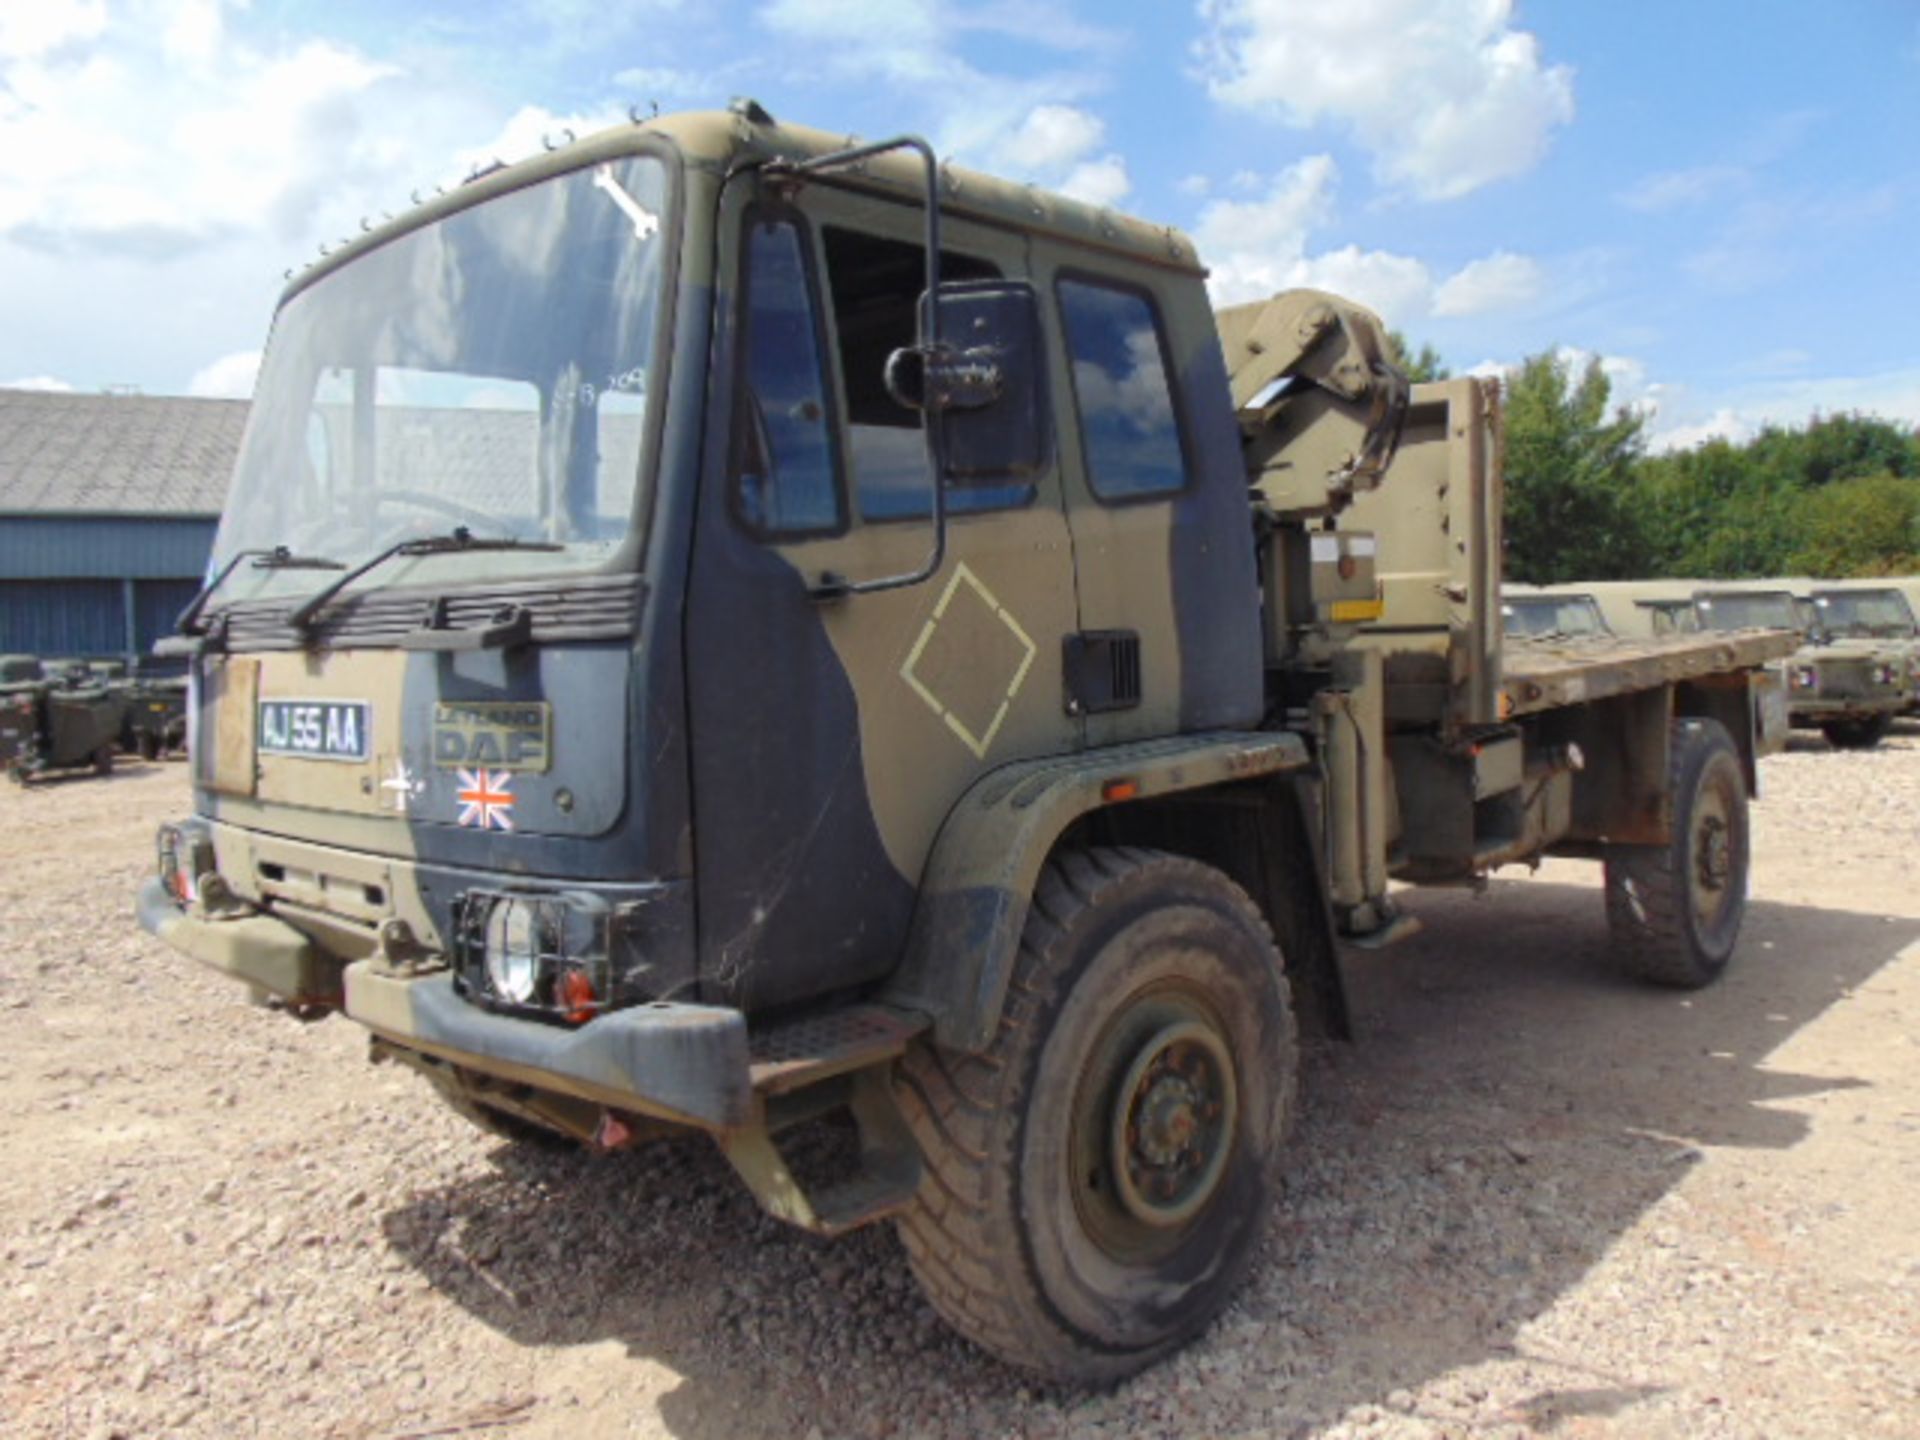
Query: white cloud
{"type": "Point", "coordinates": [1740, 412]}
{"type": "Point", "coordinates": [1194, 185]}
{"type": "Point", "coordinates": [1674, 189]}
{"type": "Point", "coordinates": [229, 377]}
{"type": "Point", "coordinates": [1723, 424]}
{"type": "Point", "coordinates": [528, 131]}
{"type": "Point", "coordinates": [1052, 146]}
{"type": "Point", "coordinates": [1098, 182]}
{"type": "Point", "coordinates": [1053, 137]}
{"type": "Point", "coordinates": [1258, 247]}
{"type": "Point", "coordinates": [663, 82]}
{"type": "Point", "coordinates": [913, 47]}
{"type": "Point", "coordinates": [1500, 281]}
{"type": "Point", "coordinates": [1445, 94]}
{"type": "Point", "coordinates": [38, 382]}
{"type": "Point", "coordinates": [31, 28]}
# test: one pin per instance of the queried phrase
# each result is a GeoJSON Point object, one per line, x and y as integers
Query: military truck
{"type": "Point", "coordinates": [1533, 613]}
{"type": "Point", "coordinates": [156, 722]}
{"type": "Point", "coordinates": [55, 720]}
{"type": "Point", "coordinates": [1879, 612]}
{"type": "Point", "coordinates": [813, 631]}
{"type": "Point", "coordinates": [1637, 608]}
{"type": "Point", "coordinates": [1848, 689]}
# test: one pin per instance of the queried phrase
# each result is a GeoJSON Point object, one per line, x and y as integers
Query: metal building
{"type": "Point", "coordinates": [108, 505]}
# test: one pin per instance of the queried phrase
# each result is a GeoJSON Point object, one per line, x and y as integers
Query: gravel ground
{"type": "Point", "coordinates": [1535, 1198]}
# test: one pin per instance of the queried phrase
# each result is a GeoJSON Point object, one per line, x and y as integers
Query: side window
{"type": "Point", "coordinates": [1128, 432]}
{"type": "Point", "coordinates": [786, 481]}
{"type": "Point", "coordinates": [876, 285]}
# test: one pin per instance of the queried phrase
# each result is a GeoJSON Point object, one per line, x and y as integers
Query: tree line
{"type": "Point", "coordinates": [1587, 500]}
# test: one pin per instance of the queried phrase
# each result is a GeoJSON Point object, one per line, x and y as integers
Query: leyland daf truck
{"type": "Point", "coordinates": [720, 625]}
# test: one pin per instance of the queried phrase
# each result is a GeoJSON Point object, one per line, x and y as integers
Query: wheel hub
{"type": "Point", "coordinates": [1173, 1118]}
{"type": "Point", "coordinates": [1716, 853]}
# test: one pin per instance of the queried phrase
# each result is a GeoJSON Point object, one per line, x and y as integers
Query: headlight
{"type": "Point", "coordinates": [513, 953]}
{"type": "Point", "coordinates": [1804, 677]}
{"type": "Point", "coordinates": [528, 951]}
{"type": "Point", "coordinates": [183, 857]}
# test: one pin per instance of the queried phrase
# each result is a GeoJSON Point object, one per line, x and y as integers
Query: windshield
{"type": "Point", "coordinates": [1880, 613]}
{"type": "Point", "coordinates": [491, 370]}
{"type": "Point", "coordinates": [1554, 615]}
{"type": "Point", "coordinates": [1756, 610]}
{"type": "Point", "coordinates": [1672, 617]}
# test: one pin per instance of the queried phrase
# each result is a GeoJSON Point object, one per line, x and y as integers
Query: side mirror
{"type": "Point", "coordinates": [985, 382]}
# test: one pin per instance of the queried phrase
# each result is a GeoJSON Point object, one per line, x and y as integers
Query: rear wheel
{"type": "Point", "coordinates": [1861, 734]}
{"type": "Point", "coordinates": [1098, 1180]}
{"type": "Point", "coordinates": [1674, 910]}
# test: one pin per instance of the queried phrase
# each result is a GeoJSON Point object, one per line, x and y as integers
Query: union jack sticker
{"type": "Point", "coordinates": [486, 799]}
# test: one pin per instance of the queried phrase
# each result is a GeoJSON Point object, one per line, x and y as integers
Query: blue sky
{"type": "Point", "coordinates": [1720, 200]}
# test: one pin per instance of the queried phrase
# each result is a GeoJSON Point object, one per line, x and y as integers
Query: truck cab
{"type": "Point", "coordinates": [723, 623]}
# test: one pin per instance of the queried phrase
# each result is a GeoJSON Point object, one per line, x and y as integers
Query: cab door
{"type": "Point", "coordinates": [831, 736]}
{"type": "Point", "coordinates": [1156, 494]}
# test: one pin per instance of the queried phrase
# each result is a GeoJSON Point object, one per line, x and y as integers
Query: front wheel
{"type": "Point", "coordinates": [1097, 1182]}
{"type": "Point", "coordinates": [1861, 734]}
{"type": "Point", "coordinates": [1674, 910]}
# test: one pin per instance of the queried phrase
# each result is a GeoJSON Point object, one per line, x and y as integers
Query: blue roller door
{"type": "Point", "coordinates": [62, 617]}
{"type": "Point", "coordinates": [156, 605]}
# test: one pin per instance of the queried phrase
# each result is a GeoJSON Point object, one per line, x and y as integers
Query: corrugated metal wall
{"type": "Point", "coordinates": [62, 617]}
{"type": "Point", "coordinates": [103, 547]}
{"type": "Point", "coordinates": [66, 581]}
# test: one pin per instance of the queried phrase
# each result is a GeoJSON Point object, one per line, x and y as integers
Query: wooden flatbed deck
{"type": "Point", "coordinates": [1543, 674]}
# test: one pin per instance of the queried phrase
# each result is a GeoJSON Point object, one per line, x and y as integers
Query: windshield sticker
{"type": "Point", "coordinates": [486, 799]}
{"type": "Point", "coordinates": [645, 223]}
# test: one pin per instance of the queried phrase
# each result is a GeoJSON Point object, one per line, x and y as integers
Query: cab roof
{"type": "Point", "coordinates": [745, 134]}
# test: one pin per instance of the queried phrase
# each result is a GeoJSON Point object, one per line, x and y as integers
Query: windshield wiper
{"type": "Point", "coordinates": [279, 557]}
{"type": "Point", "coordinates": [456, 541]}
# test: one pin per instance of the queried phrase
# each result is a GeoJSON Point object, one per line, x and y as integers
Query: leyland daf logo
{"type": "Point", "coordinates": [498, 735]}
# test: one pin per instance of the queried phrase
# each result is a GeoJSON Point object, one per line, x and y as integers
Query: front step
{"type": "Point", "coordinates": [884, 1184]}
{"type": "Point", "coordinates": [792, 1056]}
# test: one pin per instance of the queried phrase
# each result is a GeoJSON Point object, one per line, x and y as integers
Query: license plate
{"type": "Point", "coordinates": [316, 729]}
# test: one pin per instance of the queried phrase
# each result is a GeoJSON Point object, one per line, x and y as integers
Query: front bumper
{"type": "Point", "coordinates": [1811, 710]}
{"type": "Point", "coordinates": [258, 949]}
{"type": "Point", "coordinates": [678, 1062]}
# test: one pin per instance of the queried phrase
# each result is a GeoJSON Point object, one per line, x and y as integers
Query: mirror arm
{"type": "Point", "coordinates": [834, 587]}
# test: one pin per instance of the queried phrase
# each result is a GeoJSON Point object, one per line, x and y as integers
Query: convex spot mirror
{"type": "Point", "coordinates": [985, 381]}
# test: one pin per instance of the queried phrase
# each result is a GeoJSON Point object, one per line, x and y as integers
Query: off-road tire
{"type": "Point", "coordinates": [1013, 1244]}
{"type": "Point", "coordinates": [1861, 734]}
{"type": "Point", "coordinates": [103, 760]}
{"type": "Point", "coordinates": [1674, 910]}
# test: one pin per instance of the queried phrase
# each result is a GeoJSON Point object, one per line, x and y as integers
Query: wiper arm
{"type": "Point", "coordinates": [279, 557]}
{"type": "Point", "coordinates": [459, 540]}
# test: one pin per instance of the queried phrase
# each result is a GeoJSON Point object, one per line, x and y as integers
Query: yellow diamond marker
{"type": "Point", "coordinates": [962, 653]}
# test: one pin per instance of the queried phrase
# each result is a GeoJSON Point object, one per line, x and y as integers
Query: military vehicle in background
{"type": "Point", "coordinates": [156, 721]}
{"type": "Point", "coordinates": [61, 719]}
{"type": "Point", "coordinates": [1850, 690]}
{"type": "Point", "coordinates": [1645, 608]}
{"type": "Point", "coordinates": [814, 629]}
{"type": "Point", "coordinates": [1534, 613]}
{"type": "Point", "coordinates": [1879, 612]}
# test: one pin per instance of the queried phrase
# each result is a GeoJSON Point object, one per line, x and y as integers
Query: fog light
{"type": "Point", "coordinates": [574, 997]}
{"type": "Point", "coordinates": [513, 954]}
{"type": "Point", "coordinates": [179, 864]}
